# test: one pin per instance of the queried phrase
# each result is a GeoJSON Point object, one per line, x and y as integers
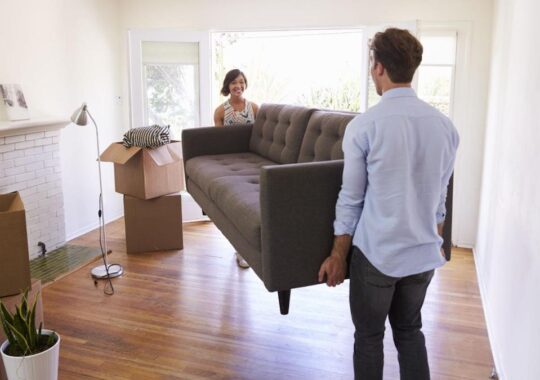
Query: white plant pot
{"type": "Point", "coordinates": [42, 366]}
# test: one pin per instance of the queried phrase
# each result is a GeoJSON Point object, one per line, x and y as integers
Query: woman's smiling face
{"type": "Point", "coordinates": [237, 86]}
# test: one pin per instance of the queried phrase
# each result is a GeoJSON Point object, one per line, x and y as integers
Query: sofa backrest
{"type": "Point", "coordinates": [278, 132]}
{"type": "Point", "coordinates": [324, 135]}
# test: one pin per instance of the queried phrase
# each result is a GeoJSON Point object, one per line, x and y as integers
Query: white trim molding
{"type": "Point", "coordinates": [22, 127]}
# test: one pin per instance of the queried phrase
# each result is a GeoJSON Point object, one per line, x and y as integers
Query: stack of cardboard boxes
{"type": "Point", "coordinates": [15, 261]}
{"type": "Point", "coordinates": [151, 181]}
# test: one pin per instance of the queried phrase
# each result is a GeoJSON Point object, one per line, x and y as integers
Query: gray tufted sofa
{"type": "Point", "coordinates": [271, 189]}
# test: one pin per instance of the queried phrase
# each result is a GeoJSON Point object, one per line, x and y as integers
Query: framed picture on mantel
{"type": "Point", "coordinates": [13, 105]}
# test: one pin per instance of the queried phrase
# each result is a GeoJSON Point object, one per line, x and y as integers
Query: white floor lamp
{"type": "Point", "coordinates": [107, 270]}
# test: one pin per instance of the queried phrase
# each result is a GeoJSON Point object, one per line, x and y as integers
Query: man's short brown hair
{"type": "Point", "coordinates": [399, 52]}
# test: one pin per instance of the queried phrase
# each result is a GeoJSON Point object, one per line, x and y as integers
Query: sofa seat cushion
{"type": "Point", "coordinates": [238, 197]}
{"type": "Point", "coordinates": [204, 170]}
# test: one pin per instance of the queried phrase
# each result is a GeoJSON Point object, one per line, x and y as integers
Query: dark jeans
{"type": "Point", "coordinates": [374, 296]}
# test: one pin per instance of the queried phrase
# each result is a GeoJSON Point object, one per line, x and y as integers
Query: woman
{"type": "Point", "coordinates": [235, 111]}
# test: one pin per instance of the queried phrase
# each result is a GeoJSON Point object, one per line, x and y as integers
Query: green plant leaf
{"type": "Point", "coordinates": [19, 321]}
{"type": "Point", "coordinates": [20, 328]}
{"type": "Point", "coordinates": [34, 337]}
{"type": "Point", "coordinates": [24, 303]}
{"type": "Point", "coordinates": [31, 331]}
{"type": "Point", "coordinates": [20, 340]}
{"type": "Point", "coordinates": [6, 318]}
{"type": "Point", "coordinates": [5, 313]}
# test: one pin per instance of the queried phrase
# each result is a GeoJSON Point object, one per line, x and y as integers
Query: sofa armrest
{"type": "Point", "coordinates": [212, 140]}
{"type": "Point", "coordinates": [297, 213]}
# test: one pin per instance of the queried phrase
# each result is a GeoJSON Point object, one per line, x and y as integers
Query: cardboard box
{"type": "Point", "coordinates": [146, 173]}
{"type": "Point", "coordinates": [153, 225]}
{"type": "Point", "coordinates": [11, 302]}
{"type": "Point", "coordinates": [14, 256]}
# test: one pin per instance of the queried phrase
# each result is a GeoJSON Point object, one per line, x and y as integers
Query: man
{"type": "Point", "coordinates": [399, 156]}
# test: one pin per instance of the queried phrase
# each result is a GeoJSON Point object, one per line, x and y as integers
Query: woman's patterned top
{"type": "Point", "coordinates": [232, 117]}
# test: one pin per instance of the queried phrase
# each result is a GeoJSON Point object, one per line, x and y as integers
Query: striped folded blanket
{"type": "Point", "coordinates": [147, 137]}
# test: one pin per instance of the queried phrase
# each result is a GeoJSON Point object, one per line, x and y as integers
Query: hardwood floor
{"type": "Point", "coordinates": [193, 314]}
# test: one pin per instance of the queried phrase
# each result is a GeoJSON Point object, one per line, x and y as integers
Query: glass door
{"type": "Point", "coordinates": [169, 79]}
{"type": "Point", "coordinates": [169, 83]}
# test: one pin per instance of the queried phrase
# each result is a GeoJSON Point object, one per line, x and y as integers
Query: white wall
{"type": "Point", "coordinates": [64, 52]}
{"type": "Point", "coordinates": [93, 40]}
{"type": "Point", "coordinates": [507, 253]}
{"type": "Point", "coordinates": [244, 14]}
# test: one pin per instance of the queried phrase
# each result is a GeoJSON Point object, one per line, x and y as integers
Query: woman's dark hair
{"type": "Point", "coordinates": [399, 52]}
{"type": "Point", "coordinates": [231, 76]}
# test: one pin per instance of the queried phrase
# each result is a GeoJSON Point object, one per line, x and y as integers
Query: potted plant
{"type": "Point", "coordinates": [29, 353]}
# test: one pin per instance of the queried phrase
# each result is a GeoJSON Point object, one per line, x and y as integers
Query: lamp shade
{"type": "Point", "coordinates": [80, 116]}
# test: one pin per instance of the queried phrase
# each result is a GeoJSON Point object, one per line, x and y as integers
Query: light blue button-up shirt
{"type": "Point", "coordinates": [399, 156]}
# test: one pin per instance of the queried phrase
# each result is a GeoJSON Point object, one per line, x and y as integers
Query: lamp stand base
{"type": "Point", "coordinates": [100, 272]}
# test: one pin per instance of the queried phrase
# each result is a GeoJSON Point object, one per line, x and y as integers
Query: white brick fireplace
{"type": "Point", "coordinates": [30, 164]}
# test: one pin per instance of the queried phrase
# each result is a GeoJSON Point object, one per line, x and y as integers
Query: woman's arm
{"type": "Point", "coordinates": [255, 109]}
{"type": "Point", "coordinates": [219, 114]}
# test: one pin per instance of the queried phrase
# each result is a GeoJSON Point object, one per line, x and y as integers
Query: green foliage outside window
{"type": "Point", "coordinates": [170, 95]}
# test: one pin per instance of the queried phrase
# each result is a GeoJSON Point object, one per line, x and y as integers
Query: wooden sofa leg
{"type": "Point", "coordinates": [284, 298]}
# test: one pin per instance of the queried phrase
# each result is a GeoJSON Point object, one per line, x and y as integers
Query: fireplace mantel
{"type": "Point", "coordinates": [39, 124]}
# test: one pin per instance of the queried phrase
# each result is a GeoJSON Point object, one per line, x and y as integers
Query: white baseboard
{"type": "Point", "coordinates": [462, 244]}
{"type": "Point", "coordinates": [92, 226]}
{"type": "Point", "coordinates": [494, 350]}
{"type": "Point", "coordinates": [191, 212]}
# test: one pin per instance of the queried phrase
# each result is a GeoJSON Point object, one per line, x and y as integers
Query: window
{"type": "Point", "coordinates": [170, 93]}
{"type": "Point", "coordinates": [314, 68]}
{"type": "Point", "coordinates": [372, 96]}
{"type": "Point", "coordinates": [435, 76]}
{"type": "Point", "coordinates": [170, 96]}
{"type": "Point", "coordinates": [436, 73]}
{"type": "Point", "coordinates": [169, 79]}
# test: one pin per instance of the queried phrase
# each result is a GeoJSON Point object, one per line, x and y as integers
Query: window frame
{"type": "Point", "coordinates": [430, 32]}
{"type": "Point", "coordinates": [460, 115]}
{"type": "Point", "coordinates": [136, 72]}
{"type": "Point", "coordinates": [460, 89]}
